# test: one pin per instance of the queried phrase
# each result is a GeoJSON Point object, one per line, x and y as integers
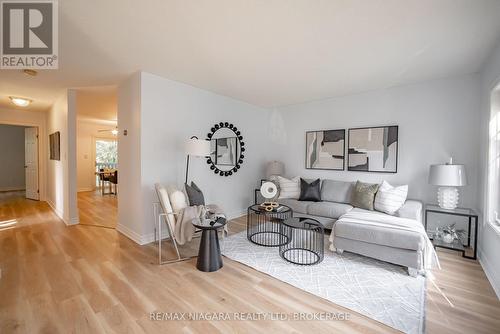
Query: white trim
{"type": "Point", "coordinates": [236, 214]}
{"type": "Point", "coordinates": [85, 189]}
{"type": "Point", "coordinates": [134, 236]}
{"type": "Point", "coordinates": [70, 222]}
{"type": "Point", "coordinates": [489, 270]}
{"type": "Point", "coordinates": [6, 189]}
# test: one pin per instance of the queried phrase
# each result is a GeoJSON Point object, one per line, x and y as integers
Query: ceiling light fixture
{"type": "Point", "coordinates": [32, 73]}
{"type": "Point", "coordinates": [114, 132]}
{"type": "Point", "coordinates": [20, 101]}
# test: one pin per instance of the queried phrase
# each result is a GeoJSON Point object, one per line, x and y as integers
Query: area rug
{"type": "Point", "coordinates": [377, 289]}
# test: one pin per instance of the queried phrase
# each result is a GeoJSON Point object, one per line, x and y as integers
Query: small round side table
{"type": "Point", "coordinates": [307, 241]}
{"type": "Point", "coordinates": [209, 255]}
{"type": "Point", "coordinates": [264, 227]}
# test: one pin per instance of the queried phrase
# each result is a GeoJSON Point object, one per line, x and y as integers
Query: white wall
{"type": "Point", "coordinates": [61, 175]}
{"type": "Point", "coordinates": [436, 120]}
{"type": "Point", "coordinates": [130, 213]}
{"type": "Point", "coordinates": [87, 132]}
{"type": "Point", "coordinates": [489, 239]}
{"type": "Point", "coordinates": [170, 113]}
{"type": "Point", "coordinates": [34, 119]}
{"type": "Point", "coordinates": [12, 175]}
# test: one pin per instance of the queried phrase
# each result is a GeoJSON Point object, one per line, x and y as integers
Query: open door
{"type": "Point", "coordinates": [31, 162]}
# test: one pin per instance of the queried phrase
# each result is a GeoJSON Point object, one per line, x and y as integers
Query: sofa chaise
{"type": "Point", "coordinates": [399, 246]}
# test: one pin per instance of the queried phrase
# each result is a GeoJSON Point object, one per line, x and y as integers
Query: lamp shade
{"type": "Point", "coordinates": [198, 147]}
{"type": "Point", "coordinates": [447, 175]}
{"type": "Point", "coordinates": [275, 168]}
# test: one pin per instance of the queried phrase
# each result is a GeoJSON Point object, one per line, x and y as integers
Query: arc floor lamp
{"type": "Point", "coordinates": [197, 148]}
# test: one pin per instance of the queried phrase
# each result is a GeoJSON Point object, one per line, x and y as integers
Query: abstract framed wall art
{"type": "Point", "coordinates": [373, 149]}
{"type": "Point", "coordinates": [55, 146]}
{"type": "Point", "coordinates": [325, 149]}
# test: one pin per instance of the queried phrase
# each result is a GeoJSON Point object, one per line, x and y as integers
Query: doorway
{"type": "Point", "coordinates": [19, 167]}
{"type": "Point", "coordinates": [97, 156]}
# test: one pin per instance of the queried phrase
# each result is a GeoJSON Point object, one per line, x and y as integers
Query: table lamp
{"type": "Point", "coordinates": [275, 168]}
{"type": "Point", "coordinates": [448, 177]}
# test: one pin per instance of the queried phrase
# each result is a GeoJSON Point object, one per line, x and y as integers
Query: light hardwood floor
{"type": "Point", "coordinates": [87, 279]}
{"type": "Point", "coordinates": [97, 209]}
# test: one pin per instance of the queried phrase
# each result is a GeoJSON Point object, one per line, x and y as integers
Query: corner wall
{"type": "Point", "coordinates": [170, 113]}
{"type": "Point", "coordinates": [489, 239]}
{"type": "Point", "coordinates": [61, 175]}
{"type": "Point", "coordinates": [437, 120]}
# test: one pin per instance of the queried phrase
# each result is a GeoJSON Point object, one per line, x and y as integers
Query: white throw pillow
{"type": "Point", "coordinates": [177, 200]}
{"type": "Point", "coordinates": [289, 188]}
{"type": "Point", "coordinates": [390, 199]}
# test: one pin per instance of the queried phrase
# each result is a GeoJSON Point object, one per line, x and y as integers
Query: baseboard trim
{"type": "Point", "coordinates": [56, 211]}
{"type": "Point", "coordinates": [85, 189]}
{"type": "Point", "coordinates": [493, 277]}
{"type": "Point", "coordinates": [70, 222]}
{"type": "Point", "coordinates": [8, 189]}
{"type": "Point", "coordinates": [235, 215]}
{"type": "Point", "coordinates": [132, 235]}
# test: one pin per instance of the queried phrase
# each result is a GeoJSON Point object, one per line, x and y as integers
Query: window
{"type": "Point", "coordinates": [106, 154]}
{"type": "Point", "coordinates": [494, 162]}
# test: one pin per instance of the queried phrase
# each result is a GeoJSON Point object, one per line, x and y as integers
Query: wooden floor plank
{"type": "Point", "coordinates": [91, 279]}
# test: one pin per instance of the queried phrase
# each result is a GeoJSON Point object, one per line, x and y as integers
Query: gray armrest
{"type": "Point", "coordinates": [412, 209]}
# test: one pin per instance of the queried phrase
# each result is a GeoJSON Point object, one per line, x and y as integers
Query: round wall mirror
{"type": "Point", "coordinates": [226, 149]}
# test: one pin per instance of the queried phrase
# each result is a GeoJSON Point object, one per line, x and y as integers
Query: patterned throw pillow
{"type": "Point", "coordinates": [194, 194]}
{"type": "Point", "coordinates": [363, 195]}
{"type": "Point", "coordinates": [289, 188]}
{"type": "Point", "coordinates": [390, 199]}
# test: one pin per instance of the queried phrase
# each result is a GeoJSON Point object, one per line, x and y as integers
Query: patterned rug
{"type": "Point", "coordinates": [377, 289]}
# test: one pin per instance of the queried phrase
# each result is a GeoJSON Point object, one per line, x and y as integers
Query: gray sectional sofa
{"type": "Point", "coordinates": [396, 246]}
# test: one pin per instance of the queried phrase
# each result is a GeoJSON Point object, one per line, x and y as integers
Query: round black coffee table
{"type": "Point", "coordinates": [264, 227]}
{"type": "Point", "coordinates": [306, 241]}
{"type": "Point", "coordinates": [209, 255]}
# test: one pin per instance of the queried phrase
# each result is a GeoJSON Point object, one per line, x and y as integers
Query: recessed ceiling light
{"type": "Point", "coordinates": [20, 101]}
{"type": "Point", "coordinates": [114, 132]}
{"type": "Point", "coordinates": [33, 73]}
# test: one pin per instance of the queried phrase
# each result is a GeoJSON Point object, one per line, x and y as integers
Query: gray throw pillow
{"type": "Point", "coordinates": [194, 194]}
{"type": "Point", "coordinates": [363, 195]}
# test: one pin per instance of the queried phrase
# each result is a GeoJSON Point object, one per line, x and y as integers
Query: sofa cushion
{"type": "Point", "coordinates": [336, 191]}
{"type": "Point", "coordinates": [296, 205]}
{"type": "Point", "coordinates": [379, 235]}
{"type": "Point", "coordinates": [328, 209]}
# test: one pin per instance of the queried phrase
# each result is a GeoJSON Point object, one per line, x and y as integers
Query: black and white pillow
{"type": "Point", "coordinates": [390, 199]}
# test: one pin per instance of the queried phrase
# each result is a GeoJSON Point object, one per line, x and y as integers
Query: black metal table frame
{"type": "Point", "coordinates": [278, 231]}
{"type": "Point", "coordinates": [314, 227]}
{"type": "Point", "coordinates": [476, 229]}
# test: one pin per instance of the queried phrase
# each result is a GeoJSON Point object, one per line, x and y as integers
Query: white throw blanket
{"type": "Point", "coordinates": [363, 217]}
{"type": "Point", "coordinates": [184, 229]}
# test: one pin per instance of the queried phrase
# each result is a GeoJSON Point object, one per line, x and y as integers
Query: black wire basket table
{"type": "Point", "coordinates": [306, 241]}
{"type": "Point", "coordinates": [264, 227]}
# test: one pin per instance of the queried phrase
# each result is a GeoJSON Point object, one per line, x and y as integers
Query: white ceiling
{"type": "Point", "coordinates": [265, 52]}
{"type": "Point", "coordinates": [97, 104]}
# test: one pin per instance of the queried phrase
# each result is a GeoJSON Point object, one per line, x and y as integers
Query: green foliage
{"type": "Point", "coordinates": [106, 151]}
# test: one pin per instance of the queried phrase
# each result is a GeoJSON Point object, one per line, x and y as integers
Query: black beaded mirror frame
{"type": "Point", "coordinates": [214, 129]}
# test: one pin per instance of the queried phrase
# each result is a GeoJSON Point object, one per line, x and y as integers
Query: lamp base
{"type": "Point", "coordinates": [448, 197]}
